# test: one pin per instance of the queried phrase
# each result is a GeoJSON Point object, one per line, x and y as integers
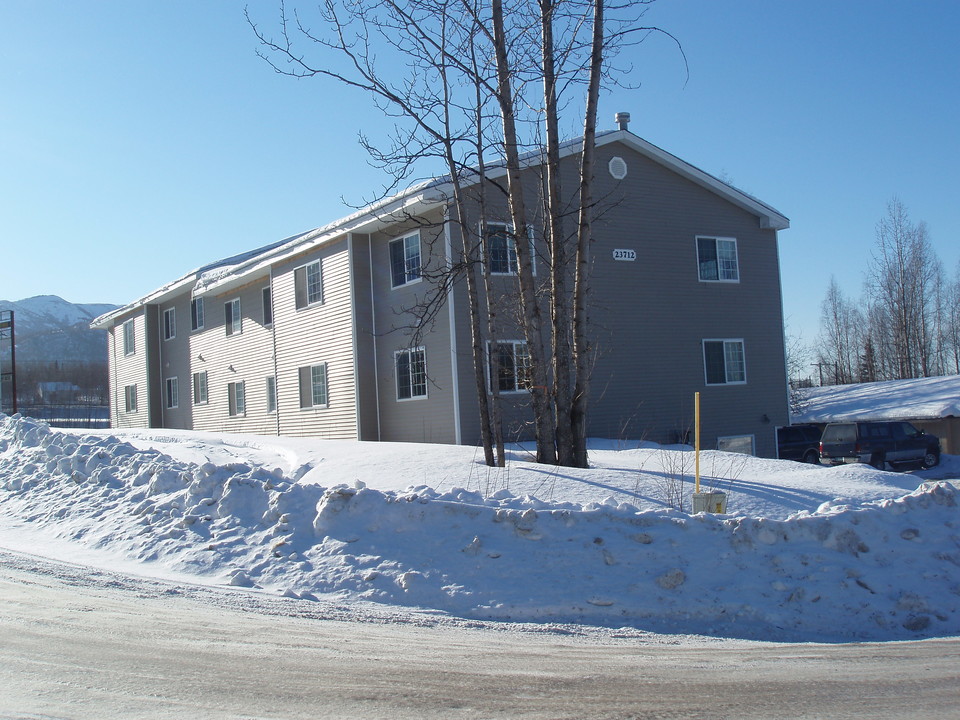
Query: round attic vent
{"type": "Point", "coordinates": [618, 167]}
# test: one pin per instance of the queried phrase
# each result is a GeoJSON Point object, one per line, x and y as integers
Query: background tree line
{"type": "Point", "coordinates": [905, 324]}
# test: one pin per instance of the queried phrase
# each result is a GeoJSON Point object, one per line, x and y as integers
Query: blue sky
{"type": "Point", "coordinates": [139, 140]}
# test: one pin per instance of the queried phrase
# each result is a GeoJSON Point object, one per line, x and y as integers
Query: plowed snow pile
{"type": "Point", "coordinates": [880, 568]}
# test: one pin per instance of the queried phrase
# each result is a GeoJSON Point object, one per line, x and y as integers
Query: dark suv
{"type": "Point", "coordinates": [878, 443]}
{"type": "Point", "coordinates": [799, 442]}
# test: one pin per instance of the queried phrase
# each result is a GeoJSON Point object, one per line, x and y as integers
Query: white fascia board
{"type": "Point", "coordinates": [167, 292]}
{"type": "Point", "coordinates": [769, 218]}
{"type": "Point", "coordinates": [393, 210]}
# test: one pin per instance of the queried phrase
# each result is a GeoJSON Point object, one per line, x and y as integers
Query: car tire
{"type": "Point", "coordinates": [877, 460]}
{"type": "Point", "coordinates": [812, 457]}
{"type": "Point", "coordinates": [931, 459]}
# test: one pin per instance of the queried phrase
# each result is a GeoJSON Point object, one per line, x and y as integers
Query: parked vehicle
{"type": "Point", "coordinates": [799, 442]}
{"type": "Point", "coordinates": [878, 443]}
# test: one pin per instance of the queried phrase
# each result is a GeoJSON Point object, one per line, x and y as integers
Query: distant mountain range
{"type": "Point", "coordinates": [50, 329]}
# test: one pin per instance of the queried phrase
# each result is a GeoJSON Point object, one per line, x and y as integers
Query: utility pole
{"type": "Point", "coordinates": [8, 375]}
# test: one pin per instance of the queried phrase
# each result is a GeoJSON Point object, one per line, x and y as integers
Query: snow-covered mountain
{"type": "Point", "coordinates": [50, 329]}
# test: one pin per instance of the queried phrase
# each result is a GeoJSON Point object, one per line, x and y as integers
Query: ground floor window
{"type": "Point", "coordinates": [130, 398]}
{"type": "Point", "coordinates": [509, 366]}
{"type": "Point", "coordinates": [237, 398]}
{"type": "Point", "coordinates": [411, 367]}
{"type": "Point", "coordinates": [736, 443]}
{"type": "Point", "coordinates": [200, 388]}
{"type": "Point", "coordinates": [173, 393]}
{"type": "Point", "coordinates": [724, 362]}
{"type": "Point", "coordinates": [271, 394]}
{"type": "Point", "coordinates": [313, 386]}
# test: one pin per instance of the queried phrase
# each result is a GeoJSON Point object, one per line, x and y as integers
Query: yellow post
{"type": "Point", "coordinates": [696, 438]}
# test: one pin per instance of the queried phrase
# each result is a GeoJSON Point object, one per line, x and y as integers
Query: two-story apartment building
{"type": "Point", "coordinates": [310, 336]}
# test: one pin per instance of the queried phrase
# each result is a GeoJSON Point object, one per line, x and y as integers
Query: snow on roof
{"type": "Point", "coordinates": [224, 274]}
{"type": "Point", "coordinates": [919, 399]}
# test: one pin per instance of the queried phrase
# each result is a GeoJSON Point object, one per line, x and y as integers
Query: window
{"type": "Point", "coordinates": [308, 285]}
{"type": "Point", "coordinates": [237, 398]}
{"type": "Point", "coordinates": [196, 314]}
{"type": "Point", "coordinates": [411, 368]}
{"type": "Point", "coordinates": [736, 443]}
{"type": "Point", "coordinates": [271, 394]}
{"type": "Point", "coordinates": [313, 386]}
{"type": "Point", "coordinates": [129, 338]}
{"type": "Point", "coordinates": [405, 260]}
{"type": "Point", "coordinates": [267, 307]}
{"type": "Point", "coordinates": [231, 317]}
{"type": "Point", "coordinates": [501, 250]}
{"type": "Point", "coordinates": [717, 259]}
{"type": "Point", "coordinates": [169, 324]}
{"type": "Point", "coordinates": [513, 366]}
{"type": "Point", "coordinates": [130, 398]}
{"type": "Point", "coordinates": [200, 388]}
{"type": "Point", "coordinates": [173, 393]}
{"type": "Point", "coordinates": [724, 362]}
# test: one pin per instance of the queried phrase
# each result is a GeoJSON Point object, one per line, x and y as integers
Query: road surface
{"type": "Point", "coordinates": [82, 643]}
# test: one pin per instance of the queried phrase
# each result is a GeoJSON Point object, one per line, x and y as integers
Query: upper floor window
{"type": "Point", "coordinates": [173, 393]}
{"type": "Point", "coordinates": [129, 338]}
{"type": "Point", "coordinates": [501, 247]}
{"type": "Point", "coordinates": [717, 259]}
{"type": "Point", "coordinates": [411, 366]}
{"type": "Point", "coordinates": [237, 398]}
{"type": "Point", "coordinates": [196, 314]}
{"type": "Point", "coordinates": [724, 362]}
{"type": "Point", "coordinates": [405, 260]}
{"type": "Point", "coordinates": [169, 324]}
{"type": "Point", "coordinates": [510, 366]}
{"type": "Point", "coordinates": [313, 386]}
{"type": "Point", "coordinates": [231, 317]}
{"type": "Point", "coordinates": [267, 306]}
{"type": "Point", "coordinates": [308, 284]}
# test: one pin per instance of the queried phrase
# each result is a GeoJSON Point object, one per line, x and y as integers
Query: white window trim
{"type": "Point", "coordinates": [236, 321]}
{"type": "Point", "coordinates": [206, 388]}
{"type": "Point", "coordinates": [173, 382]}
{"type": "Point", "coordinates": [509, 229]}
{"type": "Point", "coordinates": [396, 375]}
{"type": "Point", "coordinates": [129, 326]}
{"type": "Point", "coordinates": [197, 302]}
{"type": "Point", "coordinates": [717, 239]}
{"type": "Point", "coordinates": [126, 399]}
{"type": "Point", "coordinates": [703, 353]}
{"type": "Point", "coordinates": [169, 328]}
{"type": "Point", "coordinates": [753, 442]}
{"type": "Point", "coordinates": [403, 239]}
{"type": "Point", "coordinates": [515, 343]}
{"type": "Point", "coordinates": [326, 386]}
{"type": "Point", "coordinates": [266, 290]}
{"type": "Point", "coordinates": [306, 286]}
{"type": "Point", "coordinates": [232, 399]}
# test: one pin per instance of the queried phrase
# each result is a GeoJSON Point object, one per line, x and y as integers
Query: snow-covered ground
{"type": "Point", "coordinates": [805, 553]}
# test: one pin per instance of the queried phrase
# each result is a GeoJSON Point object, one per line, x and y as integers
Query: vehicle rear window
{"type": "Point", "coordinates": [840, 434]}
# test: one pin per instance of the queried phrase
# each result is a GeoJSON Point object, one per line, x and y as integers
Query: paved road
{"type": "Point", "coordinates": [79, 643]}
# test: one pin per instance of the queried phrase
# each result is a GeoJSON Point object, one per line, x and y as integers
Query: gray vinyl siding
{"type": "Point", "coordinates": [364, 338]}
{"type": "Point", "coordinates": [129, 370]}
{"type": "Point", "coordinates": [175, 362]}
{"type": "Point", "coordinates": [429, 419]}
{"type": "Point", "coordinates": [317, 334]}
{"type": "Point", "coordinates": [245, 357]}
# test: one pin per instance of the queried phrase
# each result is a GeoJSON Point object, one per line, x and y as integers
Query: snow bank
{"type": "Point", "coordinates": [879, 570]}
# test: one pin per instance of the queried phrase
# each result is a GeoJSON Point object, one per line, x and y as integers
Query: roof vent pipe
{"type": "Point", "coordinates": [622, 119]}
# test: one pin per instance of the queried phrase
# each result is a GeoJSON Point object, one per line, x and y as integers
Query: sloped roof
{"type": "Point", "coordinates": [919, 399]}
{"type": "Point", "coordinates": [223, 275]}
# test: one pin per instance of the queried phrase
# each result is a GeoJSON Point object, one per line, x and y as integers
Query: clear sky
{"type": "Point", "coordinates": [139, 140]}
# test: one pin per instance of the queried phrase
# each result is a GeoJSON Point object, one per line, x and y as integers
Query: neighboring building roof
{"type": "Point", "coordinates": [240, 269]}
{"type": "Point", "coordinates": [920, 399]}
